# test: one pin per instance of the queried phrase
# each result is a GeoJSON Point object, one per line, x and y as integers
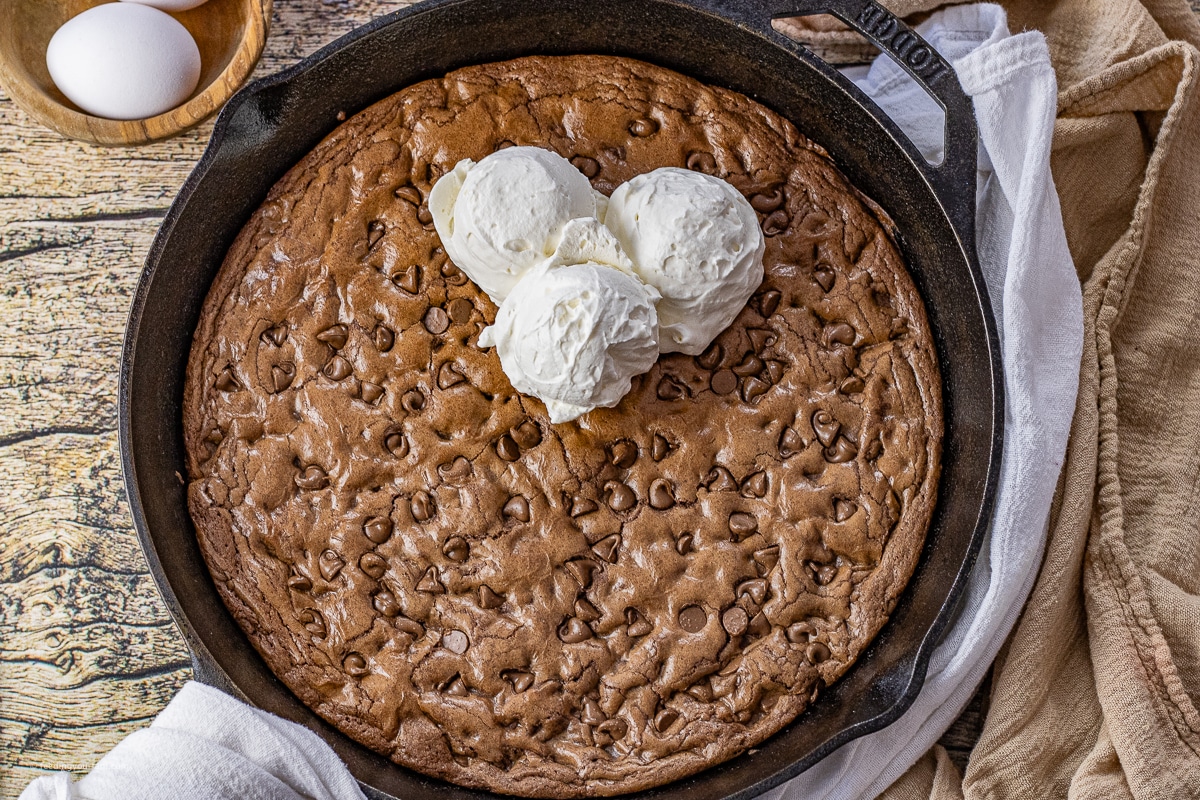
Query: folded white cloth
{"type": "Point", "coordinates": [1038, 304]}
{"type": "Point", "coordinates": [205, 745]}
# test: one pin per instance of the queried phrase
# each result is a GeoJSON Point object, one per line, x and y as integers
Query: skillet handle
{"type": "Point", "coordinates": [954, 179]}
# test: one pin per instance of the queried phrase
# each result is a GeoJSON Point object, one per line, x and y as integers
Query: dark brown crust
{"type": "Point", "coordinates": [289, 466]}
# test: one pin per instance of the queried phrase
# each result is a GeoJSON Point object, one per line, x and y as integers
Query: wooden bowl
{"type": "Point", "coordinates": [229, 33]}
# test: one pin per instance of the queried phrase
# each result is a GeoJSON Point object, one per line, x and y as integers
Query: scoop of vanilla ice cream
{"type": "Point", "coordinates": [696, 239]}
{"type": "Point", "coordinates": [501, 216]}
{"type": "Point", "coordinates": [575, 335]}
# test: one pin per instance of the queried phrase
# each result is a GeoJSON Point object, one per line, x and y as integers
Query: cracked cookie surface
{"type": "Point", "coordinates": [562, 610]}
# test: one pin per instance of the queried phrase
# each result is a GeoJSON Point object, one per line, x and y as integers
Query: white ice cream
{"type": "Point", "coordinates": [575, 335]}
{"type": "Point", "coordinates": [502, 216]}
{"type": "Point", "coordinates": [696, 239]}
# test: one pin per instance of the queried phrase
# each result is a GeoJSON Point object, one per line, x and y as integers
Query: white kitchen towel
{"type": "Point", "coordinates": [205, 745]}
{"type": "Point", "coordinates": [1038, 304]}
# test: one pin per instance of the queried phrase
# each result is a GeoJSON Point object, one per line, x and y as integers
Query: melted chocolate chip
{"type": "Point", "coordinates": [460, 310]}
{"type": "Point", "coordinates": [754, 588]}
{"type": "Point", "coordinates": [527, 435]}
{"type": "Point", "coordinates": [384, 337]}
{"type": "Point", "coordinates": [506, 448]}
{"type": "Point", "coordinates": [409, 280]}
{"type": "Point", "coordinates": [226, 381]}
{"type": "Point", "coordinates": [790, 443]}
{"type": "Point", "coordinates": [355, 665]}
{"type": "Point", "coordinates": [455, 471]}
{"type": "Point", "coordinates": [636, 624]}
{"type": "Point", "coordinates": [372, 565]}
{"type": "Point", "coordinates": [413, 400]}
{"type": "Point", "coordinates": [735, 621]}
{"type": "Point", "coordinates": [375, 231]}
{"type": "Point", "coordinates": [768, 303]}
{"type": "Point", "coordinates": [620, 497]}
{"type": "Point", "coordinates": [430, 583]}
{"type": "Point", "coordinates": [455, 641]}
{"type": "Point", "coordinates": [422, 507]}
{"type": "Point", "coordinates": [842, 450]}
{"type": "Point", "coordinates": [608, 548]}
{"type": "Point", "coordinates": [591, 714]}
{"type": "Point", "coordinates": [395, 443]}
{"type": "Point", "coordinates": [456, 549]}
{"type": "Point", "coordinates": [517, 508]}
{"type": "Point", "coordinates": [659, 447]}
{"type": "Point", "coordinates": [720, 479]}
{"type": "Point", "coordinates": [825, 277]}
{"type": "Point", "coordinates": [489, 599]}
{"type": "Point", "coordinates": [817, 652]}
{"type": "Point", "coordinates": [669, 389]}
{"type": "Point", "coordinates": [766, 202]}
{"type": "Point", "coordinates": [623, 454]}
{"type": "Point", "coordinates": [825, 427]}
{"type": "Point", "coordinates": [844, 510]}
{"type": "Point", "coordinates": [755, 485]}
{"type": "Point", "coordinates": [702, 162]}
{"type": "Point", "coordinates": [776, 223]}
{"type": "Point", "coordinates": [766, 559]}
{"type": "Point", "coordinates": [590, 167]}
{"type": "Point", "coordinates": [852, 385]}
{"type": "Point", "coordinates": [424, 216]}
{"type": "Point", "coordinates": [643, 127]}
{"type": "Point", "coordinates": [751, 365]}
{"type": "Point", "coordinates": [753, 389]}
{"type": "Point", "coordinates": [519, 679]}
{"type": "Point", "coordinates": [665, 719]}
{"type": "Point", "coordinates": [839, 333]}
{"type": "Point", "coordinates": [574, 631]}
{"type": "Point", "coordinates": [662, 494]}
{"type": "Point", "coordinates": [742, 525]}
{"type": "Point", "coordinates": [436, 320]}
{"type": "Point", "coordinates": [723, 382]}
{"type": "Point", "coordinates": [313, 622]}
{"type": "Point", "coordinates": [338, 369]}
{"type": "Point", "coordinates": [335, 336]}
{"type": "Point", "coordinates": [275, 335]}
{"type": "Point", "coordinates": [385, 603]}
{"type": "Point", "coordinates": [800, 632]}
{"type": "Point", "coordinates": [409, 194]}
{"type": "Point", "coordinates": [585, 611]}
{"type": "Point", "coordinates": [760, 339]}
{"type": "Point", "coordinates": [581, 505]}
{"type": "Point", "coordinates": [582, 570]}
{"type": "Point", "coordinates": [450, 374]}
{"type": "Point", "coordinates": [685, 544]}
{"type": "Point", "coordinates": [711, 358]}
{"type": "Point", "coordinates": [312, 478]}
{"type": "Point", "coordinates": [300, 583]}
{"type": "Point", "coordinates": [693, 619]}
{"type": "Point", "coordinates": [330, 564]}
{"type": "Point", "coordinates": [282, 376]}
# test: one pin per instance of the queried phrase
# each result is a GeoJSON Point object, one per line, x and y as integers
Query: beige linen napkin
{"type": "Point", "coordinates": [1096, 696]}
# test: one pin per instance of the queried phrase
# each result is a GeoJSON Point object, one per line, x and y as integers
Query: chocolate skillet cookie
{"type": "Point", "coordinates": [557, 610]}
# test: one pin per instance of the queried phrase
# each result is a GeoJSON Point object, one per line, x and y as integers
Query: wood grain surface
{"type": "Point", "coordinates": [88, 653]}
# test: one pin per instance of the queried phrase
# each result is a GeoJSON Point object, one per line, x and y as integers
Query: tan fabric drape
{"type": "Point", "coordinates": [1095, 695]}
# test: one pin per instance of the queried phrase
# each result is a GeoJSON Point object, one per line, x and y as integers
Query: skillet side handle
{"type": "Point", "coordinates": [954, 179]}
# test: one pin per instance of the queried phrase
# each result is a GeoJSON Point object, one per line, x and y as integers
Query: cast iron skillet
{"type": "Point", "coordinates": [271, 124]}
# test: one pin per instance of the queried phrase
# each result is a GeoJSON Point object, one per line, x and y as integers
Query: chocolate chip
{"type": "Point", "coordinates": [662, 494]}
{"type": "Point", "coordinates": [590, 167]}
{"type": "Point", "coordinates": [620, 497]}
{"type": "Point", "coordinates": [385, 603]}
{"type": "Point", "coordinates": [395, 443]}
{"type": "Point", "coordinates": [375, 231]}
{"type": "Point", "coordinates": [455, 471]}
{"type": "Point", "coordinates": [817, 652]}
{"type": "Point", "coordinates": [413, 400]}
{"type": "Point", "coordinates": [702, 162]}
{"type": "Point", "coordinates": [755, 485]}
{"type": "Point", "coordinates": [823, 574]}
{"type": "Point", "coordinates": [574, 631]}
{"type": "Point", "coordinates": [711, 357]}
{"type": "Point", "coordinates": [460, 310]}
{"type": "Point", "coordinates": [643, 127]}
{"type": "Point", "coordinates": [636, 624]}
{"type": "Point", "coordinates": [370, 392]}
{"type": "Point", "coordinates": [372, 565]}
{"type": "Point", "coordinates": [751, 365]}
{"type": "Point", "coordinates": [378, 529]}
{"type": "Point", "coordinates": [506, 448]}
{"type": "Point", "coordinates": [436, 320]}
{"type": "Point", "coordinates": [582, 570]}
{"type": "Point", "coordinates": [424, 216]}
{"type": "Point", "coordinates": [766, 202]}
{"type": "Point", "coordinates": [355, 665]}
{"type": "Point", "coordinates": [489, 599]}
{"type": "Point", "coordinates": [585, 610]}
{"type": "Point", "coordinates": [453, 275]}
{"type": "Point", "coordinates": [790, 443]}
{"type": "Point", "coordinates": [693, 619]}
{"type": "Point", "coordinates": [723, 685]}
{"type": "Point", "coordinates": [384, 338]}
{"type": "Point", "coordinates": [456, 549]}
{"type": "Point", "coordinates": [701, 691]}
{"type": "Point", "coordinates": [455, 641]}
{"type": "Point", "coordinates": [839, 333]}
{"type": "Point", "coordinates": [422, 506]}
{"type": "Point", "coordinates": [580, 505]}
{"type": "Point", "coordinates": [760, 339]}
{"type": "Point", "coordinates": [824, 276]}
{"type": "Point", "coordinates": [430, 583]}
{"type": "Point", "coordinates": [608, 548]}
{"type": "Point", "coordinates": [330, 564]}
{"type": "Point", "coordinates": [684, 544]}
{"type": "Point", "coordinates": [844, 509]}
{"type": "Point", "coordinates": [226, 381]}
{"type": "Point", "coordinates": [313, 622]}
{"type": "Point", "coordinates": [852, 385]}
{"type": "Point", "coordinates": [742, 525]}
{"type": "Point", "coordinates": [520, 680]}
{"type": "Point", "coordinates": [842, 450]}
{"type": "Point", "coordinates": [276, 335]}
{"type": "Point", "coordinates": [768, 302]}
{"type": "Point", "coordinates": [775, 371]}
{"type": "Point", "coordinates": [720, 479]}
{"type": "Point", "coordinates": [825, 427]}
{"type": "Point", "coordinates": [800, 632]}
{"type": "Point", "coordinates": [527, 434]}
{"type": "Point", "coordinates": [873, 449]}
{"type": "Point", "coordinates": [517, 508]}
{"type": "Point", "coordinates": [759, 625]}
{"type": "Point", "coordinates": [413, 628]}
{"type": "Point", "coordinates": [735, 620]}
{"type": "Point", "coordinates": [754, 588]}
{"type": "Point", "coordinates": [312, 478]}
{"type": "Point", "coordinates": [665, 719]}
{"type": "Point", "coordinates": [623, 454]}
{"type": "Point", "coordinates": [776, 223]}
{"type": "Point", "coordinates": [754, 388]}
{"type": "Point", "coordinates": [450, 374]}
{"type": "Point", "coordinates": [455, 687]}
{"type": "Point", "coordinates": [766, 559]}
{"type": "Point", "coordinates": [616, 728]}
{"type": "Point", "coordinates": [338, 369]}
{"type": "Point", "coordinates": [409, 194]}
{"type": "Point", "coordinates": [335, 336]}
{"type": "Point", "coordinates": [300, 583]}
{"type": "Point", "coordinates": [591, 713]}
{"type": "Point", "coordinates": [723, 382]}
{"type": "Point", "coordinates": [659, 447]}
{"type": "Point", "coordinates": [281, 376]}
{"type": "Point", "coordinates": [409, 280]}
{"type": "Point", "coordinates": [669, 389]}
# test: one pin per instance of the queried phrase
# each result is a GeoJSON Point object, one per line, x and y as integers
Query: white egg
{"type": "Point", "coordinates": [124, 61]}
{"type": "Point", "coordinates": [169, 5]}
